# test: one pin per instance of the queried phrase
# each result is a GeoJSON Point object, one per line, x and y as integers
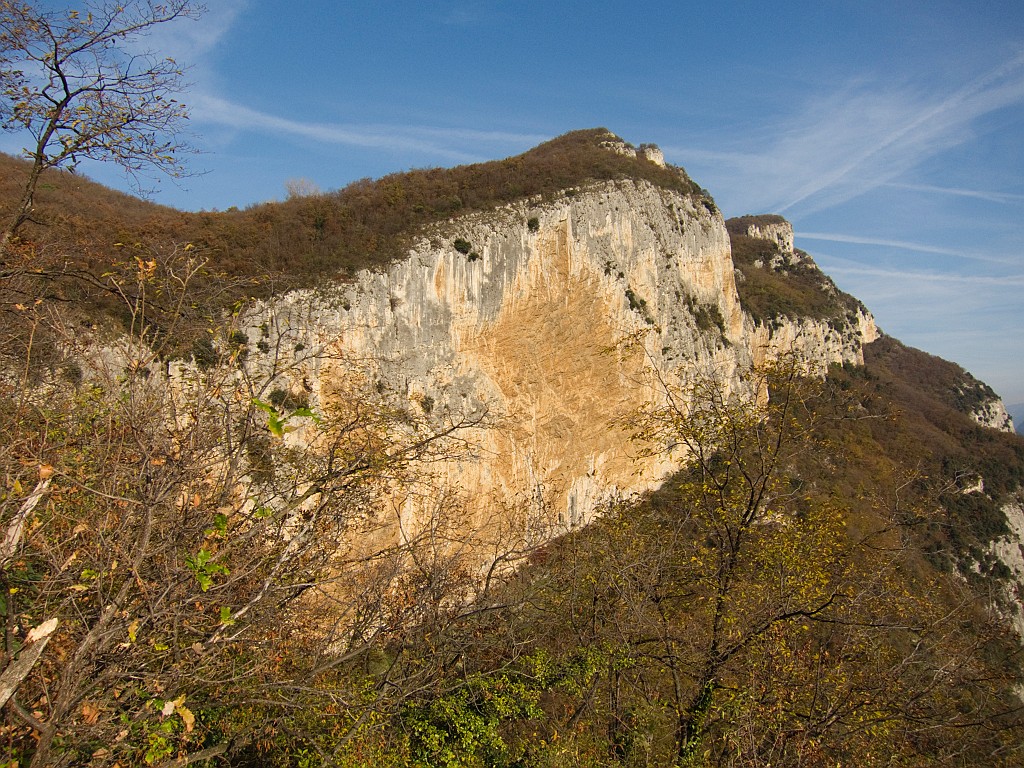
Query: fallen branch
{"type": "Point", "coordinates": [13, 537]}
{"type": "Point", "coordinates": [18, 669]}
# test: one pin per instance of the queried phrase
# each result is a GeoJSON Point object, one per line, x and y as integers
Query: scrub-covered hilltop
{"type": "Point", "coordinates": [530, 462]}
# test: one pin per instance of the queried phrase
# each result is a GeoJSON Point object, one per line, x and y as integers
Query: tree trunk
{"type": "Point", "coordinates": [689, 725]}
{"type": "Point", "coordinates": [24, 210]}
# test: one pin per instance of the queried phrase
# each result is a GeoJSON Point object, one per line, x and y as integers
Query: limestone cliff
{"type": "Point", "coordinates": [835, 337]}
{"type": "Point", "coordinates": [537, 329]}
{"type": "Point", "coordinates": [1009, 549]}
{"type": "Point", "coordinates": [551, 321]}
{"type": "Point", "coordinates": [772, 228]}
{"type": "Point", "coordinates": [991, 412]}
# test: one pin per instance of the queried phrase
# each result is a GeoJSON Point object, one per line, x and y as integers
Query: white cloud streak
{"type": "Point", "coordinates": [992, 197]}
{"type": "Point", "coordinates": [902, 245]}
{"type": "Point", "coordinates": [434, 142]}
{"type": "Point", "coordinates": [192, 41]}
{"type": "Point", "coordinates": [188, 40]}
{"type": "Point", "coordinates": [840, 145]}
{"type": "Point", "coordinates": [936, 278]}
{"type": "Point", "coordinates": [898, 132]}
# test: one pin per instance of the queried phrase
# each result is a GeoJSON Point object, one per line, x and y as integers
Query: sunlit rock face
{"type": "Point", "coordinates": [819, 342]}
{"type": "Point", "coordinates": [779, 232]}
{"type": "Point", "coordinates": [992, 413]}
{"type": "Point", "coordinates": [815, 341]}
{"type": "Point", "coordinates": [554, 322]}
{"type": "Point", "coordinates": [1010, 551]}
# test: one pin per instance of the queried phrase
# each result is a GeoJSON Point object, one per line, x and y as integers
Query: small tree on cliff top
{"type": "Point", "coordinates": [75, 82]}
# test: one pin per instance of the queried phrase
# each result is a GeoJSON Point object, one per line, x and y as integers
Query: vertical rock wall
{"type": "Point", "coordinates": [550, 321]}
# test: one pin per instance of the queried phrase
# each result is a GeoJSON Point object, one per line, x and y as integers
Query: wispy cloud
{"type": "Point", "coordinates": [835, 146]}
{"type": "Point", "coordinates": [447, 145]}
{"type": "Point", "coordinates": [190, 40]}
{"type": "Point", "coordinates": [993, 197]}
{"type": "Point", "coordinates": [902, 245]}
{"type": "Point", "coordinates": [869, 139]}
{"type": "Point", "coordinates": [899, 277]}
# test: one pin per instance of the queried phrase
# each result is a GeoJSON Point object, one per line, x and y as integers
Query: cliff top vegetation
{"type": "Point", "coordinates": [306, 238]}
{"type": "Point", "coordinates": [739, 224]}
{"type": "Point", "coordinates": [775, 285]}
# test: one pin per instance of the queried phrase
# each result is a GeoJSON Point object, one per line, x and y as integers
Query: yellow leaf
{"type": "Point", "coordinates": [188, 718]}
{"type": "Point", "coordinates": [90, 713]}
{"type": "Point", "coordinates": [133, 630]}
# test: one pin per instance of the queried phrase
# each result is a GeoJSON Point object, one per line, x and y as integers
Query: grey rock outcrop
{"type": "Point", "coordinates": [992, 413]}
{"type": "Point", "coordinates": [776, 230]}
{"type": "Point", "coordinates": [558, 320]}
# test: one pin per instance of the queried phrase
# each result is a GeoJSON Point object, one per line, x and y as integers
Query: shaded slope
{"type": "Point", "coordinates": [934, 434]}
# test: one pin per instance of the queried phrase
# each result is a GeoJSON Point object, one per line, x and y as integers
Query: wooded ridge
{"type": "Point", "coordinates": [233, 486]}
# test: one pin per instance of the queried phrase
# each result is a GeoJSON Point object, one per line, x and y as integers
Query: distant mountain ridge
{"type": "Point", "coordinates": [1016, 412]}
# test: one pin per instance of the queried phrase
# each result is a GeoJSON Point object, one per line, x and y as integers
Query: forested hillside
{"type": "Point", "coordinates": [817, 585]}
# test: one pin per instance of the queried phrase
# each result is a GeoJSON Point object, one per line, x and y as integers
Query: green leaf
{"type": "Point", "coordinates": [159, 748]}
{"type": "Point", "coordinates": [204, 570]}
{"type": "Point", "coordinates": [308, 414]}
{"type": "Point", "coordinates": [275, 421]}
{"type": "Point", "coordinates": [220, 525]}
{"type": "Point", "coordinates": [263, 406]}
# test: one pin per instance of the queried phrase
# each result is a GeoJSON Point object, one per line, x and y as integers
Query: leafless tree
{"type": "Point", "coordinates": [195, 549]}
{"type": "Point", "coordinates": [79, 86]}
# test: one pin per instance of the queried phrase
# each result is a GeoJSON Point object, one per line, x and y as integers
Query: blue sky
{"type": "Point", "coordinates": [890, 133]}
